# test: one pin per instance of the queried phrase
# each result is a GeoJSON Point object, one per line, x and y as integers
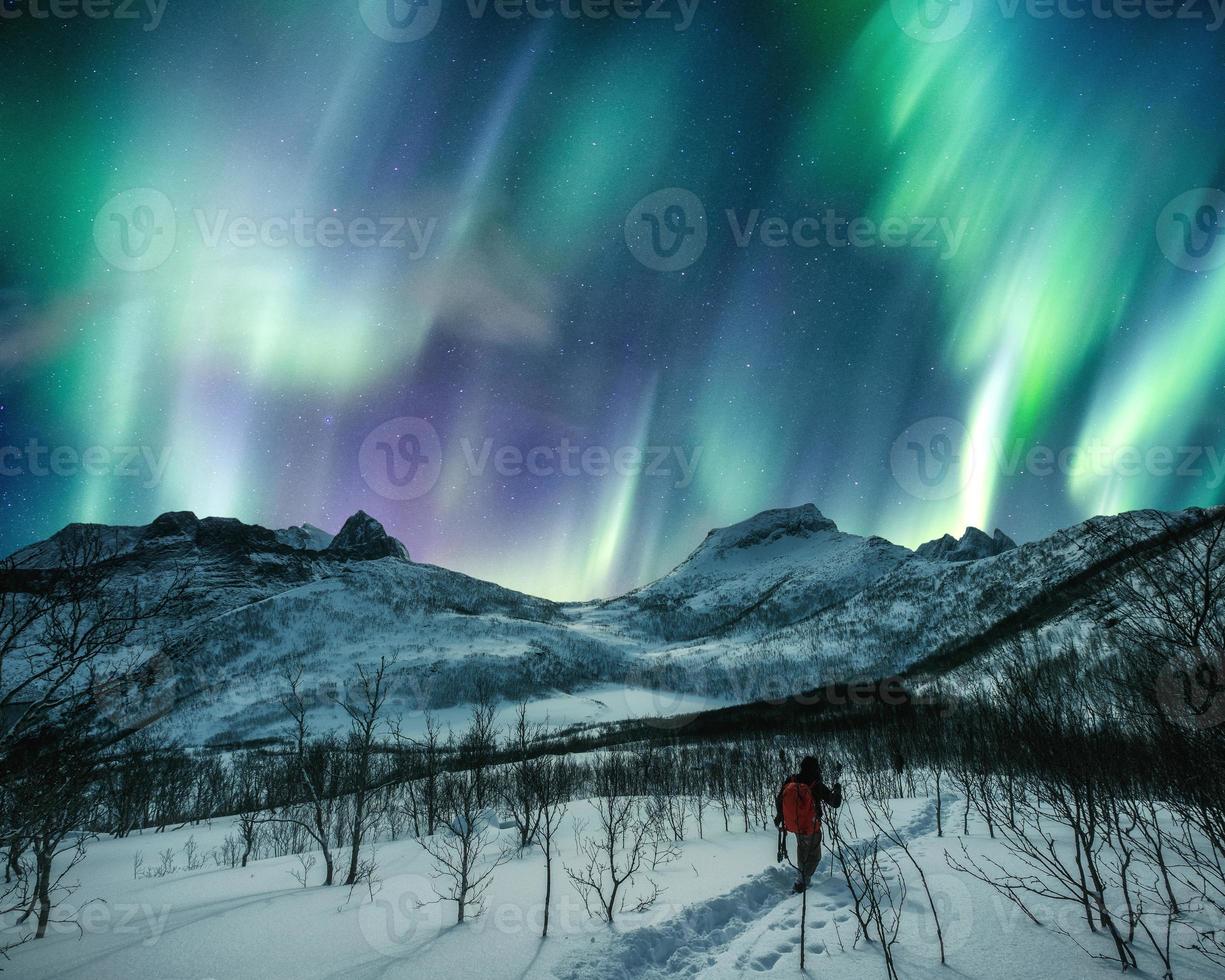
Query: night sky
{"type": "Point", "coordinates": [529, 273]}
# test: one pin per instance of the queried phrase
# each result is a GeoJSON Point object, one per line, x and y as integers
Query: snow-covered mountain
{"type": "Point", "coordinates": [305, 537]}
{"type": "Point", "coordinates": [771, 569]}
{"type": "Point", "coordinates": [775, 604]}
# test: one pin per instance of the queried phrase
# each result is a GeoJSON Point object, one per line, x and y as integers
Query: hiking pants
{"type": "Point", "coordinates": [807, 854]}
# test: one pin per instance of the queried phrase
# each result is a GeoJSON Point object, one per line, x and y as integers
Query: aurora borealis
{"type": "Point", "coordinates": [511, 313]}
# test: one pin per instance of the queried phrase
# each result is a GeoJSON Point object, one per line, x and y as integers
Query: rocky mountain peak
{"type": "Point", "coordinates": [364, 537]}
{"type": "Point", "coordinates": [972, 545]}
{"type": "Point", "coordinates": [172, 524]}
{"type": "Point", "coordinates": [769, 526]}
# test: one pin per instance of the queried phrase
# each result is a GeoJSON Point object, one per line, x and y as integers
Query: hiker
{"type": "Point", "coordinates": [799, 812]}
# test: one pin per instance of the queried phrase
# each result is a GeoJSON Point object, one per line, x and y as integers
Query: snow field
{"type": "Point", "coordinates": [726, 910]}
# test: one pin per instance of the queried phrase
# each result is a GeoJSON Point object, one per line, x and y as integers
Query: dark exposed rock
{"type": "Point", "coordinates": [974, 544]}
{"type": "Point", "coordinates": [364, 537]}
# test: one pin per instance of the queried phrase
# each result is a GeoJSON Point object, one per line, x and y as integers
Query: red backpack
{"type": "Point", "coordinates": [800, 812]}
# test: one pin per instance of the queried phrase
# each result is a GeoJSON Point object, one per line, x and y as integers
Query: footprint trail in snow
{"type": "Point", "coordinates": [747, 931]}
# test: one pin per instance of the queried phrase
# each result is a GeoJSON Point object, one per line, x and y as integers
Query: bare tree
{"type": "Point", "coordinates": [554, 781]}
{"type": "Point", "coordinates": [461, 852]}
{"type": "Point", "coordinates": [1163, 597]}
{"type": "Point", "coordinates": [478, 745]}
{"type": "Point", "coordinates": [314, 775]}
{"type": "Point", "coordinates": [612, 857]}
{"type": "Point", "coordinates": [72, 634]}
{"type": "Point", "coordinates": [250, 799]}
{"type": "Point", "coordinates": [875, 882]}
{"type": "Point", "coordinates": [363, 709]}
{"type": "Point", "coordinates": [880, 813]}
{"type": "Point", "coordinates": [424, 792]}
{"type": "Point", "coordinates": [520, 793]}
{"type": "Point", "coordinates": [52, 791]}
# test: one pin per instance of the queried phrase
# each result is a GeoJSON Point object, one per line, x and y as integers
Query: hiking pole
{"type": "Point", "coordinates": [782, 832]}
{"type": "Point", "coordinates": [803, 924]}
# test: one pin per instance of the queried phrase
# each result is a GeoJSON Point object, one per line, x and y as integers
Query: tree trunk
{"type": "Point", "coordinates": [548, 889]}
{"type": "Point", "coordinates": [1084, 887]}
{"type": "Point", "coordinates": [939, 808]}
{"type": "Point", "coordinates": [43, 895]}
{"type": "Point", "coordinates": [353, 855]}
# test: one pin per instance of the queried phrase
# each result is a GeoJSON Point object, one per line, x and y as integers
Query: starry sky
{"type": "Point", "coordinates": [1034, 271]}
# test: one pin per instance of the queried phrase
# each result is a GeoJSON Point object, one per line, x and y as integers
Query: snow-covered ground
{"type": "Point", "coordinates": [601, 704]}
{"type": "Point", "coordinates": [726, 911]}
{"type": "Point", "coordinates": [594, 706]}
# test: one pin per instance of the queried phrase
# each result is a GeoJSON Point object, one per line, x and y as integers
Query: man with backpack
{"type": "Point", "coordinates": [799, 812]}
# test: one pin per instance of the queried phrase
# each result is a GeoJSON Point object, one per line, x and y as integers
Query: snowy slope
{"type": "Point", "coordinates": [306, 537]}
{"type": "Point", "coordinates": [921, 617]}
{"type": "Point", "coordinates": [726, 912]}
{"type": "Point", "coordinates": [778, 565]}
{"type": "Point", "coordinates": [776, 604]}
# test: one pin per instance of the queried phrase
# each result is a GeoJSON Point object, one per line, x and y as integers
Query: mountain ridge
{"type": "Point", "coordinates": [361, 537]}
{"type": "Point", "coordinates": [781, 602]}
{"type": "Point", "coordinates": [971, 546]}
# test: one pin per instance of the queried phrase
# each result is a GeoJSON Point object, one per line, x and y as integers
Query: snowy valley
{"type": "Point", "coordinates": [780, 603]}
{"type": "Point", "coordinates": [343, 762]}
